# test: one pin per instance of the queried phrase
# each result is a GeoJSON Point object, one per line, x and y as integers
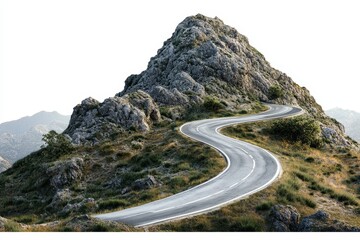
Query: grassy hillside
{"type": "Point", "coordinates": [132, 168]}
{"type": "Point", "coordinates": [312, 179]}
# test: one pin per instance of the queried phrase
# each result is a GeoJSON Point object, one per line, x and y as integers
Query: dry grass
{"type": "Point", "coordinates": [309, 185]}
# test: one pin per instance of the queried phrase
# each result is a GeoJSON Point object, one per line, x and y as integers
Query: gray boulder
{"type": "Point", "coordinates": [61, 197]}
{"type": "Point", "coordinates": [87, 203]}
{"type": "Point", "coordinates": [321, 222]}
{"type": "Point", "coordinates": [284, 218]}
{"type": "Point", "coordinates": [65, 172]}
{"type": "Point", "coordinates": [145, 183]}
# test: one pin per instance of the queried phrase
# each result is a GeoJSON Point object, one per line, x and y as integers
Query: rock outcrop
{"type": "Point", "coordinates": [144, 183]}
{"type": "Point", "coordinates": [93, 121]}
{"type": "Point", "coordinates": [65, 172]}
{"type": "Point", "coordinates": [87, 203]}
{"type": "Point", "coordinates": [284, 218]}
{"type": "Point", "coordinates": [287, 219]}
{"type": "Point", "coordinates": [321, 222]}
{"type": "Point", "coordinates": [4, 164]}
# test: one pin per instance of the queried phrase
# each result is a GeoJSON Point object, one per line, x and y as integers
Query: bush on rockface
{"type": "Point", "coordinates": [275, 92]}
{"type": "Point", "coordinates": [213, 104]}
{"type": "Point", "coordinates": [299, 129]}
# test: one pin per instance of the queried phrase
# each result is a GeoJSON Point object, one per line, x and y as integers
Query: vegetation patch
{"type": "Point", "coordinates": [298, 129]}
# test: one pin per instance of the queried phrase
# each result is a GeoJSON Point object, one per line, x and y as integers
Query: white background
{"type": "Point", "coordinates": [56, 53]}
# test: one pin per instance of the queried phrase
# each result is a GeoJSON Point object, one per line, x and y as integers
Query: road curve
{"type": "Point", "coordinates": [249, 170]}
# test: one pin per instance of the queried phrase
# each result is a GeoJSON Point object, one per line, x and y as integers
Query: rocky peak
{"type": "Point", "coordinates": [206, 57]}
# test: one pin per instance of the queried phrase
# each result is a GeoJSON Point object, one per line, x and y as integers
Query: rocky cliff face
{"type": "Point", "coordinates": [4, 164]}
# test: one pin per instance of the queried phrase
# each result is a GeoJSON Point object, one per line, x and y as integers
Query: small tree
{"type": "Point", "coordinates": [56, 144]}
{"type": "Point", "coordinates": [275, 92]}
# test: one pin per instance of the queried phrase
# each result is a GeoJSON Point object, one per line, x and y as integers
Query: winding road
{"type": "Point", "coordinates": [249, 170]}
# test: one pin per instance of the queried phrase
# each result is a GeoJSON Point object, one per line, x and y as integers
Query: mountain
{"type": "Point", "coordinates": [350, 119]}
{"type": "Point", "coordinates": [4, 164]}
{"type": "Point", "coordinates": [204, 59]}
{"type": "Point", "coordinates": [128, 150]}
{"type": "Point", "coordinates": [20, 137]}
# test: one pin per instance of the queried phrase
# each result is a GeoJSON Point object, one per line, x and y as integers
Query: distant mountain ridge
{"type": "Point", "coordinates": [20, 137]}
{"type": "Point", "coordinates": [350, 120]}
{"type": "Point", "coordinates": [4, 164]}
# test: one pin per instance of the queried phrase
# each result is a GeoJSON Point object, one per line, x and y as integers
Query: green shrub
{"type": "Point", "coordinates": [285, 193]}
{"type": "Point", "coordinates": [275, 92]}
{"type": "Point", "coordinates": [308, 202]}
{"type": "Point", "coordinates": [11, 226]}
{"type": "Point", "coordinates": [357, 211]}
{"type": "Point", "coordinates": [264, 206]}
{"type": "Point", "coordinates": [212, 104]}
{"type": "Point", "coordinates": [106, 149]}
{"type": "Point", "coordinates": [177, 181]}
{"type": "Point", "coordinates": [243, 112]}
{"type": "Point", "coordinates": [299, 129]}
{"type": "Point", "coordinates": [344, 198]}
{"type": "Point", "coordinates": [100, 227]}
{"type": "Point", "coordinates": [112, 203]}
{"type": "Point", "coordinates": [310, 159]}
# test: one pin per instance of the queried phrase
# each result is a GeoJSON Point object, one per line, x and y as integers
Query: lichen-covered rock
{"type": "Point", "coordinates": [61, 197]}
{"type": "Point", "coordinates": [321, 222]}
{"type": "Point", "coordinates": [93, 121]}
{"type": "Point", "coordinates": [65, 172]}
{"type": "Point", "coordinates": [284, 218]}
{"type": "Point", "coordinates": [334, 136]}
{"type": "Point", "coordinates": [145, 183]}
{"type": "Point", "coordinates": [87, 204]}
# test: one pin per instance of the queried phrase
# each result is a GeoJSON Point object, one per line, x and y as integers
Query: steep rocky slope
{"type": "Point", "coordinates": [4, 164]}
{"type": "Point", "coordinates": [20, 137]}
{"type": "Point", "coordinates": [350, 120]}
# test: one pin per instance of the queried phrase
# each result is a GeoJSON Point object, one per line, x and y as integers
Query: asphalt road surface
{"type": "Point", "coordinates": [249, 170]}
